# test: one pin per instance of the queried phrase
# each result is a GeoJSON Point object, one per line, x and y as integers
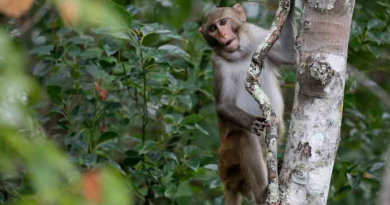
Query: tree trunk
{"type": "Point", "coordinates": [314, 133]}
{"type": "Point", "coordinates": [384, 197]}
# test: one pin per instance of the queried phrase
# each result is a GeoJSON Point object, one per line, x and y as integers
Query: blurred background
{"type": "Point", "coordinates": [110, 102]}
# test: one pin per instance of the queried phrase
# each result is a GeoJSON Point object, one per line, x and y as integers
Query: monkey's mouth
{"type": "Point", "coordinates": [229, 42]}
{"type": "Point", "coordinates": [231, 45]}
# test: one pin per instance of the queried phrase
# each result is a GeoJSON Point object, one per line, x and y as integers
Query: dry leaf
{"type": "Point", "coordinates": [70, 12]}
{"type": "Point", "coordinates": [15, 8]}
{"type": "Point", "coordinates": [91, 187]}
{"type": "Point", "coordinates": [103, 94]}
{"type": "Point", "coordinates": [97, 86]}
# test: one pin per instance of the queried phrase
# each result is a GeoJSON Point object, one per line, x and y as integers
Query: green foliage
{"type": "Point", "coordinates": [122, 98]}
{"type": "Point", "coordinates": [357, 173]}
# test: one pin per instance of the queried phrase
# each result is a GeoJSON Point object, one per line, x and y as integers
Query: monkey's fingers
{"type": "Point", "coordinates": [261, 124]}
{"type": "Point", "coordinates": [257, 130]}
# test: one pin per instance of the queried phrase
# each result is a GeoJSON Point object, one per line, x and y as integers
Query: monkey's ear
{"type": "Point", "coordinates": [201, 30]}
{"type": "Point", "coordinates": [240, 11]}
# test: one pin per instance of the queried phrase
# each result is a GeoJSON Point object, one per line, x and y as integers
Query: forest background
{"type": "Point", "coordinates": [107, 102]}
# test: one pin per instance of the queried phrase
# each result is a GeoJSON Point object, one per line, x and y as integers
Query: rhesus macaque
{"type": "Point", "coordinates": [242, 162]}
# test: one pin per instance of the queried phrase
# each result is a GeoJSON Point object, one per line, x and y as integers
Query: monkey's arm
{"type": "Point", "coordinates": [229, 112]}
{"type": "Point", "coordinates": [232, 114]}
{"type": "Point", "coordinates": [283, 52]}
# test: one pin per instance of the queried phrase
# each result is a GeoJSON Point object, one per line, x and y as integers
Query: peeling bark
{"type": "Point", "coordinates": [314, 133]}
{"type": "Point", "coordinates": [253, 87]}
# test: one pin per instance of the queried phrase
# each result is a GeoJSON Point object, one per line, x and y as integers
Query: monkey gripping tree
{"type": "Point", "coordinates": [314, 133]}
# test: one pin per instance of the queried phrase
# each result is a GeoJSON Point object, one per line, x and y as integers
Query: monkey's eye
{"type": "Point", "coordinates": [212, 28]}
{"type": "Point", "coordinates": [222, 22]}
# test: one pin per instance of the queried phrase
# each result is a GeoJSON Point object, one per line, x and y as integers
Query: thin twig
{"type": "Point", "coordinates": [35, 19]}
{"type": "Point", "coordinates": [370, 85]}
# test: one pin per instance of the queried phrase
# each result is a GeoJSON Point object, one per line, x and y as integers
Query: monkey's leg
{"type": "Point", "coordinates": [253, 200]}
{"type": "Point", "coordinates": [254, 166]}
{"type": "Point", "coordinates": [232, 198]}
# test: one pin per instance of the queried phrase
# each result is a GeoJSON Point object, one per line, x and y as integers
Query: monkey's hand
{"type": "Point", "coordinates": [259, 125]}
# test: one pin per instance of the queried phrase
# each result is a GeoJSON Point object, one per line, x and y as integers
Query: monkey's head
{"type": "Point", "coordinates": [221, 27]}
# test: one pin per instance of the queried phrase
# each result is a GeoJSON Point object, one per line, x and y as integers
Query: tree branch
{"type": "Point", "coordinates": [370, 85]}
{"type": "Point", "coordinates": [253, 87]}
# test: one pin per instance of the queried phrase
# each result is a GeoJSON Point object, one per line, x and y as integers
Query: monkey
{"type": "Point", "coordinates": [241, 155]}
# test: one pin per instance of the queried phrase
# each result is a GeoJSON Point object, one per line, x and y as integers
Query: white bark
{"type": "Point", "coordinates": [314, 133]}
{"type": "Point", "coordinates": [384, 197]}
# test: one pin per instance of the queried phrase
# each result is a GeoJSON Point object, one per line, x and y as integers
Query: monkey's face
{"type": "Point", "coordinates": [222, 31]}
{"type": "Point", "coordinates": [222, 26]}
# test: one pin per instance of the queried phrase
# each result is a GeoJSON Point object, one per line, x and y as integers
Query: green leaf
{"type": "Point", "coordinates": [215, 183]}
{"type": "Point", "coordinates": [41, 68]}
{"type": "Point", "coordinates": [108, 62]}
{"type": "Point", "coordinates": [184, 200]}
{"type": "Point", "coordinates": [116, 166]}
{"type": "Point", "coordinates": [120, 13]}
{"type": "Point", "coordinates": [375, 50]}
{"type": "Point", "coordinates": [169, 119]}
{"type": "Point", "coordinates": [192, 163]}
{"type": "Point", "coordinates": [184, 189]}
{"type": "Point", "coordinates": [2, 198]}
{"type": "Point", "coordinates": [212, 167]}
{"type": "Point", "coordinates": [75, 141]}
{"type": "Point", "coordinates": [42, 50]}
{"type": "Point", "coordinates": [132, 158]}
{"type": "Point", "coordinates": [147, 146]}
{"type": "Point", "coordinates": [92, 53]}
{"type": "Point", "coordinates": [200, 129]}
{"type": "Point", "coordinates": [353, 181]}
{"type": "Point", "coordinates": [89, 159]}
{"type": "Point", "coordinates": [376, 23]}
{"type": "Point", "coordinates": [170, 191]}
{"type": "Point", "coordinates": [115, 32]}
{"type": "Point", "coordinates": [375, 36]}
{"type": "Point", "coordinates": [54, 92]}
{"type": "Point", "coordinates": [167, 178]}
{"type": "Point", "coordinates": [74, 51]}
{"type": "Point", "coordinates": [62, 32]}
{"type": "Point", "coordinates": [158, 55]}
{"type": "Point", "coordinates": [148, 29]}
{"type": "Point", "coordinates": [192, 150]}
{"type": "Point", "coordinates": [158, 190]}
{"type": "Point", "coordinates": [186, 99]}
{"type": "Point", "coordinates": [75, 73]}
{"type": "Point", "coordinates": [169, 155]}
{"type": "Point", "coordinates": [174, 50]}
{"type": "Point", "coordinates": [377, 166]}
{"type": "Point", "coordinates": [158, 76]}
{"type": "Point", "coordinates": [81, 40]}
{"type": "Point", "coordinates": [191, 119]}
{"type": "Point", "coordinates": [107, 136]}
{"type": "Point", "coordinates": [57, 51]}
{"type": "Point", "coordinates": [95, 72]}
{"type": "Point", "coordinates": [133, 10]}
{"type": "Point", "coordinates": [111, 46]}
{"type": "Point", "coordinates": [384, 4]}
